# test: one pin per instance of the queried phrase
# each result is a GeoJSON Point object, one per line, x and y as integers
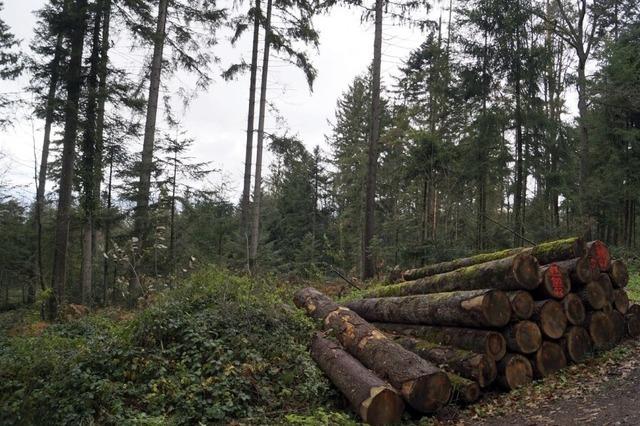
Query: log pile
{"type": "Point", "coordinates": [455, 329]}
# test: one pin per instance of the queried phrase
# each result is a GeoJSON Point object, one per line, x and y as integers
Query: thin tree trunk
{"type": "Point", "coordinates": [172, 235]}
{"type": "Point", "coordinates": [257, 190]}
{"type": "Point", "coordinates": [63, 216]}
{"type": "Point", "coordinates": [107, 233]}
{"type": "Point", "coordinates": [246, 191]}
{"type": "Point", "coordinates": [368, 262]}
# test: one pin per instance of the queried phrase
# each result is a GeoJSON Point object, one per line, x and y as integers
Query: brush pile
{"type": "Point", "coordinates": [454, 329]}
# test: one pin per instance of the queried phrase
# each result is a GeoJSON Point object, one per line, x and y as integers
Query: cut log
{"type": "Point", "coordinates": [607, 286]}
{"type": "Point", "coordinates": [600, 328]}
{"type": "Point", "coordinates": [632, 325]}
{"type": "Point", "coordinates": [375, 401]}
{"type": "Point", "coordinates": [423, 386]}
{"type": "Point", "coordinates": [490, 343]}
{"type": "Point", "coordinates": [548, 359]}
{"type": "Point", "coordinates": [473, 366]}
{"type": "Point", "coordinates": [607, 308]}
{"type": "Point", "coordinates": [550, 317]}
{"type": "Point", "coordinates": [523, 337]}
{"type": "Point", "coordinates": [599, 251]}
{"type": "Point", "coordinates": [592, 295]}
{"type": "Point", "coordinates": [514, 371]}
{"type": "Point", "coordinates": [574, 309]}
{"type": "Point", "coordinates": [634, 309]}
{"type": "Point", "coordinates": [619, 326]}
{"type": "Point", "coordinates": [519, 272]}
{"type": "Point", "coordinates": [576, 343]}
{"type": "Point", "coordinates": [581, 269]}
{"type": "Point", "coordinates": [620, 300]}
{"type": "Point", "coordinates": [554, 251]}
{"type": "Point", "coordinates": [477, 308]}
{"type": "Point", "coordinates": [619, 274]}
{"type": "Point", "coordinates": [465, 391]}
{"type": "Point", "coordinates": [521, 304]}
{"type": "Point", "coordinates": [554, 283]}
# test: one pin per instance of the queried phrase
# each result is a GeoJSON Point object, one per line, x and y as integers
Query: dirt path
{"type": "Point", "coordinates": [602, 391]}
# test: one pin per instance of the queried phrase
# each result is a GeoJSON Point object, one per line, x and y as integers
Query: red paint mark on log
{"type": "Point", "coordinates": [593, 263]}
{"type": "Point", "coordinates": [601, 254]}
{"type": "Point", "coordinates": [557, 283]}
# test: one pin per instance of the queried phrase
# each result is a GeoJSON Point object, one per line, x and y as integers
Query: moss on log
{"type": "Point", "coordinates": [554, 283]}
{"type": "Point", "coordinates": [519, 272]}
{"type": "Point", "coordinates": [490, 343]}
{"type": "Point", "coordinates": [576, 343]}
{"type": "Point", "coordinates": [620, 300]}
{"type": "Point", "coordinates": [471, 365]}
{"type": "Point", "coordinates": [550, 317]}
{"type": "Point", "coordinates": [619, 274]}
{"type": "Point", "coordinates": [599, 251]}
{"type": "Point", "coordinates": [514, 371]}
{"type": "Point", "coordinates": [600, 328]}
{"type": "Point", "coordinates": [422, 385]}
{"type": "Point", "coordinates": [548, 359]}
{"type": "Point", "coordinates": [465, 391]}
{"type": "Point", "coordinates": [574, 309]}
{"type": "Point", "coordinates": [375, 401]}
{"type": "Point", "coordinates": [523, 337]}
{"type": "Point", "coordinates": [593, 295]}
{"type": "Point", "coordinates": [477, 308]}
{"type": "Point", "coordinates": [632, 322]}
{"type": "Point", "coordinates": [521, 304]}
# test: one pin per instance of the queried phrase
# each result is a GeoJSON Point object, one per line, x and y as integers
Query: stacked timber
{"type": "Point", "coordinates": [454, 329]}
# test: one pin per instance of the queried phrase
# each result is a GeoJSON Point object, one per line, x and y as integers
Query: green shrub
{"type": "Point", "coordinates": [217, 348]}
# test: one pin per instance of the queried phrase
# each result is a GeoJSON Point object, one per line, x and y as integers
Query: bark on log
{"type": "Point", "coordinates": [478, 308]}
{"type": "Point", "coordinates": [523, 337]}
{"type": "Point", "coordinates": [607, 286]}
{"type": "Point", "coordinates": [464, 391]}
{"type": "Point", "coordinates": [521, 304]}
{"type": "Point", "coordinates": [471, 365]}
{"type": "Point", "coordinates": [620, 300]}
{"type": "Point", "coordinates": [619, 326]}
{"type": "Point", "coordinates": [514, 371]}
{"type": "Point", "coordinates": [581, 269]}
{"type": "Point", "coordinates": [576, 343]}
{"type": "Point", "coordinates": [375, 401]}
{"type": "Point", "coordinates": [600, 329]}
{"type": "Point", "coordinates": [548, 359]}
{"type": "Point", "coordinates": [550, 316]}
{"type": "Point", "coordinates": [619, 274]}
{"type": "Point", "coordinates": [423, 386]}
{"type": "Point", "coordinates": [592, 295]}
{"type": "Point", "coordinates": [632, 325]}
{"type": "Point", "coordinates": [574, 309]}
{"type": "Point", "coordinates": [554, 282]}
{"type": "Point", "coordinates": [599, 251]}
{"type": "Point", "coordinates": [519, 272]}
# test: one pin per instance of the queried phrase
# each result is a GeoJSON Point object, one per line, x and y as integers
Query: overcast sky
{"type": "Point", "coordinates": [217, 118]}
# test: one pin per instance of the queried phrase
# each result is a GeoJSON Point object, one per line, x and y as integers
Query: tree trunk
{"type": "Point", "coordinates": [600, 328]}
{"type": "Point", "coordinates": [550, 317]}
{"type": "Point", "coordinates": [574, 309]}
{"type": "Point", "coordinates": [478, 308]}
{"type": "Point", "coordinates": [548, 359]}
{"type": "Point", "coordinates": [619, 274]}
{"type": "Point", "coordinates": [523, 337]}
{"type": "Point", "coordinates": [63, 216]}
{"type": "Point", "coordinates": [107, 233]}
{"type": "Point", "coordinates": [490, 343]}
{"type": "Point", "coordinates": [142, 224]}
{"type": "Point", "coordinates": [519, 197]}
{"type": "Point", "coordinates": [583, 136]}
{"type": "Point", "coordinates": [511, 273]}
{"type": "Point", "coordinates": [464, 391]}
{"type": "Point", "coordinates": [555, 282]}
{"type": "Point", "coordinates": [473, 366]}
{"type": "Point", "coordinates": [368, 261]}
{"type": "Point", "coordinates": [521, 304]}
{"type": "Point", "coordinates": [172, 221]}
{"type": "Point", "coordinates": [620, 300]}
{"type": "Point", "coordinates": [592, 295]}
{"type": "Point", "coordinates": [422, 385]}
{"type": "Point", "coordinates": [514, 371]}
{"type": "Point", "coordinates": [257, 186]}
{"type": "Point", "coordinates": [576, 343]}
{"type": "Point", "coordinates": [545, 253]}
{"type": "Point", "coordinates": [599, 251]}
{"type": "Point", "coordinates": [375, 401]}
{"type": "Point", "coordinates": [246, 189]}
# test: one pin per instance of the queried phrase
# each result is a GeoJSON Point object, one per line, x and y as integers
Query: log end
{"type": "Point", "coordinates": [521, 304]}
{"type": "Point", "coordinates": [632, 325]}
{"type": "Point", "coordinates": [619, 273]}
{"type": "Point", "coordinates": [556, 282]}
{"type": "Point", "coordinates": [487, 371]}
{"type": "Point", "coordinates": [515, 371]}
{"type": "Point", "coordinates": [553, 321]}
{"type": "Point", "coordinates": [600, 251]}
{"type": "Point", "coordinates": [595, 295]}
{"type": "Point", "coordinates": [619, 325]}
{"type": "Point", "coordinates": [496, 308]}
{"type": "Point", "coordinates": [549, 359]}
{"type": "Point", "coordinates": [574, 309]}
{"type": "Point", "coordinates": [428, 393]}
{"type": "Point", "coordinates": [383, 407]}
{"type": "Point", "coordinates": [600, 328]}
{"type": "Point", "coordinates": [526, 271]}
{"type": "Point", "coordinates": [620, 300]}
{"type": "Point", "coordinates": [495, 346]}
{"type": "Point", "coordinates": [577, 343]}
{"type": "Point", "coordinates": [528, 336]}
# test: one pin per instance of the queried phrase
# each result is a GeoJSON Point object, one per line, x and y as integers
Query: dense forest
{"type": "Point", "coordinates": [473, 146]}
